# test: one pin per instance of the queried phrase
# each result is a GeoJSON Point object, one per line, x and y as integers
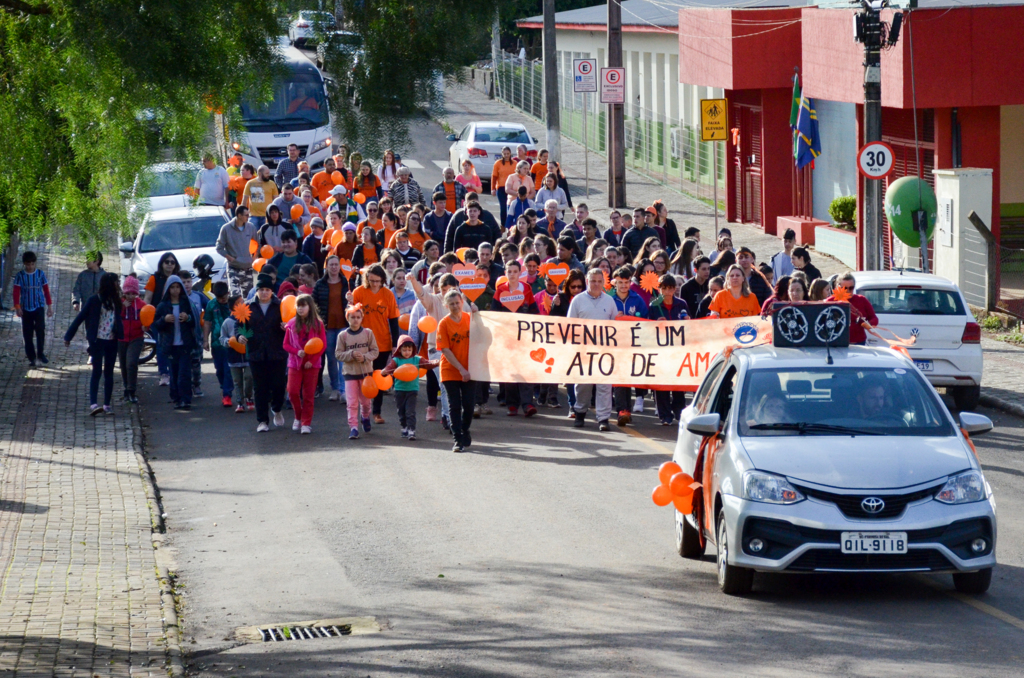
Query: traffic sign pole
{"type": "Point", "coordinates": [584, 80]}
{"type": "Point", "coordinates": [586, 146]}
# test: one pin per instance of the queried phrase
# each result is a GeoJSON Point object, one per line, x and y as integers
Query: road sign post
{"type": "Point", "coordinates": [584, 80]}
{"type": "Point", "coordinates": [613, 93]}
{"type": "Point", "coordinates": [714, 126]}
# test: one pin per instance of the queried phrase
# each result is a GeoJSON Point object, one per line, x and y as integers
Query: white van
{"type": "Point", "coordinates": [298, 114]}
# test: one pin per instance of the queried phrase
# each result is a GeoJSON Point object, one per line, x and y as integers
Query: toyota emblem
{"type": "Point", "coordinates": [872, 504]}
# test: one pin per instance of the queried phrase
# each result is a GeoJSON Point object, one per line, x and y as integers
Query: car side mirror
{"type": "Point", "coordinates": [452, 137]}
{"type": "Point", "coordinates": [704, 424]}
{"type": "Point", "coordinates": [535, 140]}
{"type": "Point", "coordinates": [975, 424]}
{"type": "Point", "coordinates": [127, 247]}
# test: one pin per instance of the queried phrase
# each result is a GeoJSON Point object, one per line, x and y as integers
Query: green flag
{"type": "Point", "coordinates": [794, 111]}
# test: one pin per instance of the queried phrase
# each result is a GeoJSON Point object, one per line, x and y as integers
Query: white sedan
{"type": "Point", "coordinates": [185, 232]}
{"type": "Point", "coordinates": [308, 25]}
{"type": "Point", "coordinates": [481, 144]}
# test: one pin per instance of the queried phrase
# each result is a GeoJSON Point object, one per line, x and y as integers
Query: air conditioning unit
{"type": "Point", "coordinates": [631, 134]}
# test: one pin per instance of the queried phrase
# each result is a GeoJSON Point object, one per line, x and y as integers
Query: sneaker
{"type": "Point", "coordinates": [94, 409]}
{"type": "Point", "coordinates": [278, 419]}
{"type": "Point", "coordinates": [666, 422]}
{"type": "Point", "coordinates": [187, 407]}
{"type": "Point", "coordinates": [107, 410]}
{"type": "Point", "coordinates": [197, 393]}
{"type": "Point", "coordinates": [467, 440]}
{"type": "Point", "coordinates": [405, 433]}
{"type": "Point", "coordinates": [488, 410]}
{"type": "Point", "coordinates": [296, 425]}
{"type": "Point", "coordinates": [530, 411]}
{"type": "Point", "coordinates": [240, 409]}
{"type": "Point", "coordinates": [477, 411]}
{"type": "Point", "coordinates": [553, 404]}
{"type": "Point", "coordinates": [581, 418]}
{"type": "Point", "coordinates": [262, 427]}
{"type": "Point", "coordinates": [572, 414]}
{"type": "Point", "coordinates": [353, 434]}
{"type": "Point", "coordinates": [457, 447]}
{"type": "Point", "coordinates": [134, 398]}
{"type": "Point", "coordinates": [624, 417]}
{"type": "Point", "coordinates": [335, 396]}
{"type": "Point", "coordinates": [250, 406]}
{"type": "Point", "coordinates": [603, 425]}
{"type": "Point", "coordinates": [165, 380]}
{"type": "Point", "coordinates": [366, 425]}
{"type": "Point", "coordinates": [638, 406]}
{"type": "Point", "coordinates": [377, 419]}
{"type": "Point", "coordinates": [31, 363]}
{"type": "Point", "coordinates": [179, 406]}
{"type": "Point", "coordinates": [319, 392]}
{"type": "Point", "coordinates": [44, 360]}
{"type": "Point", "coordinates": [412, 434]}
{"type": "Point", "coordinates": [306, 429]}
{"type": "Point", "coordinates": [513, 411]}
{"type": "Point", "coordinates": [226, 401]}
{"type": "Point", "coordinates": [431, 413]}
{"type": "Point", "coordinates": [445, 424]}
{"type": "Point", "coordinates": [127, 397]}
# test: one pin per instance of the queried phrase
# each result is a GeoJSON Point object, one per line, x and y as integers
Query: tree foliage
{"type": "Point", "coordinates": [93, 90]}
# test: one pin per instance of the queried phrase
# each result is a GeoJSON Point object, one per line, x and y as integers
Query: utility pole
{"type": "Point", "coordinates": [495, 55]}
{"type": "Point", "coordinates": [615, 125]}
{"type": "Point", "coordinates": [551, 105]}
{"type": "Point", "coordinates": [869, 32]}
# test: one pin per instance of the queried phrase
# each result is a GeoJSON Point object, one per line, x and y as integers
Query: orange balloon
{"type": "Point", "coordinates": [407, 372]}
{"type": "Point", "coordinates": [147, 315]}
{"type": "Point", "coordinates": [667, 470]}
{"type": "Point", "coordinates": [359, 198]}
{"type": "Point", "coordinates": [661, 495]}
{"type": "Point", "coordinates": [254, 247]}
{"type": "Point", "coordinates": [337, 177]}
{"type": "Point", "coordinates": [369, 388]}
{"type": "Point", "coordinates": [297, 212]}
{"type": "Point", "coordinates": [683, 504]}
{"type": "Point", "coordinates": [257, 264]}
{"type": "Point", "coordinates": [500, 280]}
{"type": "Point", "coordinates": [330, 201]}
{"type": "Point", "coordinates": [236, 344]}
{"type": "Point", "coordinates": [427, 324]}
{"type": "Point", "coordinates": [337, 237]}
{"type": "Point", "coordinates": [313, 346]}
{"type": "Point", "coordinates": [307, 230]}
{"type": "Point", "coordinates": [267, 252]}
{"type": "Point", "coordinates": [423, 372]}
{"type": "Point", "coordinates": [680, 485]}
{"type": "Point", "coordinates": [382, 382]}
{"type": "Point", "coordinates": [403, 321]}
{"type": "Point", "coordinates": [461, 253]}
{"type": "Point", "coordinates": [288, 308]}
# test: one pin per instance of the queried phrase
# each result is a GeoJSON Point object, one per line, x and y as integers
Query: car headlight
{"type": "Point", "coordinates": [769, 488]}
{"type": "Point", "coordinates": [242, 147]}
{"type": "Point", "coordinates": [320, 145]}
{"type": "Point", "coordinates": [963, 489]}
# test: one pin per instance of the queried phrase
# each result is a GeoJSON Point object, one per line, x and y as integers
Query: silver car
{"type": "Point", "coordinates": [832, 461]}
{"type": "Point", "coordinates": [185, 232]}
{"type": "Point", "coordinates": [481, 144]}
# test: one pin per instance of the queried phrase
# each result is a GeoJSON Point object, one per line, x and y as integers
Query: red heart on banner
{"type": "Point", "coordinates": [474, 287]}
{"type": "Point", "coordinates": [548, 370]}
{"type": "Point", "coordinates": [463, 272]}
{"type": "Point", "coordinates": [511, 300]}
{"type": "Point", "coordinates": [538, 355]}
{"type": "Point", "coordinates": [550, 361]}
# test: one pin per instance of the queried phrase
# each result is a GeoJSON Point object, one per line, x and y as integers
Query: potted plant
{"type": "Point", "coordinates": [840, 239]}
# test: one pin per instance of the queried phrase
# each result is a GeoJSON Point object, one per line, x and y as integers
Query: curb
{"type": "Point", "coordinates": [168, 603]}
{"type": "Point", "coordinates": [1001, 404]}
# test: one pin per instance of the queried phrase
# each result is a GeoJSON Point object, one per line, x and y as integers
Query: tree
{"type": "Point", "coordinates": [94, 90]}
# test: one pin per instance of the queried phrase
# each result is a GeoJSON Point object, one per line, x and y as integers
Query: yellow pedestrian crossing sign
{"type": "Point", "coordinates": [714, 120]}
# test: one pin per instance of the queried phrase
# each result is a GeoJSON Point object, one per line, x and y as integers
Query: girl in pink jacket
{"type": "Point", "coordinates": [303, 366]}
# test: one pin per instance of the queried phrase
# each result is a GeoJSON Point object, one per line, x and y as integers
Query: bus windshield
{"type": "Point", "coordinates": [299, 103]}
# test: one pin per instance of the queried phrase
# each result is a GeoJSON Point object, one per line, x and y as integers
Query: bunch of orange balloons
{"type": "Point", "coordinates": [676, 488]}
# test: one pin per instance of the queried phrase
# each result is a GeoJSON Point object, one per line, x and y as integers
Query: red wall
{"type": "Point", "coordinates": [979, 143]}
{"type": "Point", "coordinates": [777, 162]}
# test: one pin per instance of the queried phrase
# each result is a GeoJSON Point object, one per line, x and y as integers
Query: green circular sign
{"type": "Point", "coordinates": [903, 197]}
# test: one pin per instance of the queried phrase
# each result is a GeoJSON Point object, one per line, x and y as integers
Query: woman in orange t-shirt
{"type": "Point", "coordinates": [453, 342]}
{"type": "Point", "coordinates": [540, 169]}
{"type": "Point", "coordinates": [736, 300]}
{"type": "Point", "coordinates": [367, 183]}
{"type": "Point", "coordinates": [414, 227]}
{"type": "Point", "coordinates": [380, 316]}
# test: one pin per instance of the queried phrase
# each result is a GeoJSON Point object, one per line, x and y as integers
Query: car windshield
{"type": "Point", "coordinates": [501, 135]}
{"type": "Point", "coordinates": [169, 182]}
{"type": "Point", "coordinates": [840, 401]}
{"type": "Point", "coordinates": [180, 234]}
{"type": "Point", "coordinates": [298, 103]}
{"type": "Point", "coordinates": [907, 300]}
{"type": "Point", "coordinates": [316, 17]}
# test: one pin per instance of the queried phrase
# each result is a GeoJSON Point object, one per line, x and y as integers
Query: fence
{"type": "Point", "coordinates": [664, 149]}
{"type": "Point", "coordinates": [1011, 281]}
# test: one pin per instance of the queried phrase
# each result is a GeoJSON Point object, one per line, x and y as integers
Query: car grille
{"type": "Point", "coordinates": [850, 504]}
{"type": "Point", "coordinates": [921, 560]}
{"type": "Point", "coordinates": [271, 155]}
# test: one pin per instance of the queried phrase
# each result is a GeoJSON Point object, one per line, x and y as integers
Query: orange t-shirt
{"type": "Point", "coordinates": [322, 183]}
{"type": "Point", "coordinates": [728, 306]}
{"type": "Point", "coordinates": [237, 184]}
{"type": "Point", "coordinates": [454, 336]}
{"type": "Point", "coordinates": [386, 235]}
{"type": "Point", "coordinates": [416, 241]}
{"type": "Point", "coordinates": [377, 310]}
{"type": "Point", "coordinates": [367, 185]}
{"type": "Point", "coordinates": [501, 172]}
{"type": "Point", "coordinates": [364, 222]}
{"type": "Point", "coordinates": [345, 250]}
{"type": "Point", "coordinates": [449, 197]}
{"type": "Point", "coordinates": [369, 255]}
{"type": "Point", "coordinates": [539, 170]}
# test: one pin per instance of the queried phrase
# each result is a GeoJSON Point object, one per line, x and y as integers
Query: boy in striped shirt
{"type": "Point", "coordinates": [32, 303]}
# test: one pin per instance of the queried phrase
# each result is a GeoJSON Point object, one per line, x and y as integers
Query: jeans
{"type": "Point", "coordinates": [379, 363]}
{"type": "Point", "coordinates": [104, 353]}
{"type": "Point", "coordinates": [257, 221]}
{"type": "Point", "coordinates": [519, 395]}
{"type": "Point", "coordinates": [128, 356]}
{"type": "Point", "coordinates": [301, 387]}
{"type": "Point", "coordinates": [603, 401]}
{"type": "Point", "coordinates": [163, 362]}
{"type": "Point", "coordinates": [434, 354]}
{"type": "Point", "coordinates": [570, 390]}
{"type": "Point", "coordinates": [269, 378]}
{"type": "Point", "coordinates": [180, 358]}
{"type": "Point", "coordinates": [405, 401]}
{"type": "Point", "coordinates": [461, 395]}
{"type": "Point", "coordinates": [483, 394]}
{"type": "Point", "coordinates": [623, 398]}
{"type": "Point", "coordinates": [669, 404]}
{"type": "Point", "coordinates": [502, 197]}
{"type": "Point", "coordinates": [220, 364]}
{"type": "Point", "coordinates": [357, 404]}
{"type": "Point", "coordinates": [242, 375]}
{"type": "Point", "coordinates": [197, 368]}
{"type": "Point", "coordinates": [333, 368]}
{"type": "Point", "coordinates": [33, 323]}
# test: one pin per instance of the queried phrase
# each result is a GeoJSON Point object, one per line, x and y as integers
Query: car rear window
{"type": "Point", "coordinates": [914, 300]}
{"type": "Point", "coordinates": [171, 182]}
{"type": "Point", "coordinates": [180, 234]}
{"type": "Point", "coordinates": [501, 135]}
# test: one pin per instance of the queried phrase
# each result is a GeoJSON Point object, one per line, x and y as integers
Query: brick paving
{"type": "Point", "coordinates": [1002, 384]}
{"type": "Point", "coordinates": [465, 104]}
{"type": "Point", "coordinates": [79, 595]}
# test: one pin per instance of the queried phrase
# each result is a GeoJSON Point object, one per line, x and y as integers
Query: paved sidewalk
{"type": "Point", "coordinates": [79, 594]}
{"type": "Point", "coordinates": [465, 104]}
{"type": "Point", "coordinates": [1002, 385]}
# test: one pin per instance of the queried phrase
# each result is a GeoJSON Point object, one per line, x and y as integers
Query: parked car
{"type": "Point", "coordinates": [481, 144]}
{"type": "Point", "coordinates": [948, 345]}
{"type": "Point", "coordinates": [309, 25]}
{"type": "Point", "coordinates": [186, 232]}
{"type": "Point", "coordinates": [162, 186]}
{"type": "Point", "coordinates": [843, 464]}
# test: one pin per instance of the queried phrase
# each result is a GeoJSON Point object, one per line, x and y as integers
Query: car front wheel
{"type": "Point", "coordinates": [966, 397]}
{"type": "Point", "coordinates": [734, 581]}
{"type": "Point", "coordinates": [973, 582]}
{"type": "Point", "coordinates": [687, 539]}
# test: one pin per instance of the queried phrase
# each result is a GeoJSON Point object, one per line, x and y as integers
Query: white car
{"type": "Point", "coordinates": [308, 25]}
{"type": "Point", "coordinates": [481, 144]}
{"type": "Point", "coordinates": [162, 186]}
{"type": "Point", "coordinates": [185, 232]}
{"type": "Point", "coordinates": [948, 346]}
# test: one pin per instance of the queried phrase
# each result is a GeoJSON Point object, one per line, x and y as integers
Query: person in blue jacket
{"type": "Point", "coordinates": [178, 331]}
{"type": "Point", "coordinates": [667, 306]}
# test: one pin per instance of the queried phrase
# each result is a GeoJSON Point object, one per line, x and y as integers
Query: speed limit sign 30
{"type": "Point", "coordinates": [875, 160]}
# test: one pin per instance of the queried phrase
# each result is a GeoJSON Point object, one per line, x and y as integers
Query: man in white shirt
{"type": "Point", "coordinates": [593, 304]}
{"type": "Point", "coordinates": [212, 183]}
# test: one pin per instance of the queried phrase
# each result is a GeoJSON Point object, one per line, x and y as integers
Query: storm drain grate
{"type": "Point", "coordinates": [285, 632]}
{"type": "Point", "coordinates": [280, 634]}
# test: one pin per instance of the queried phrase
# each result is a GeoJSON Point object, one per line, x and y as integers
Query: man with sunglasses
{"type": "Point", "coordinates": [861, 310]}
{"type": "Point", "coordinates": [372, 219]}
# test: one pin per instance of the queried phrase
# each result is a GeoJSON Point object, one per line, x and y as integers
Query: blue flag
{"type": "Point", "coordinates": [808, 145]}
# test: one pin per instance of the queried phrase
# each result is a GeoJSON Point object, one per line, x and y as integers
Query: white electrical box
{"type": "Point", "coordinates": [961, 254]}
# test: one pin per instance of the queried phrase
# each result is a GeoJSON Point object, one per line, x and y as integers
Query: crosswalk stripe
{"type": "Point", "coordinates": [443, 164]}
{"type": "Point", "coordinates": [412, 164]}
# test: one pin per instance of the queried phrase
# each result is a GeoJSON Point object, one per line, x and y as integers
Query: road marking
{"type": "Point", "coordinates": [656, 444]}
{"type": "Point", "coordinates": [443, 164]}
{"type": "Point", "coordinates": [984, 608]}
{"type": "Point", "coordinates": [411, 164]}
